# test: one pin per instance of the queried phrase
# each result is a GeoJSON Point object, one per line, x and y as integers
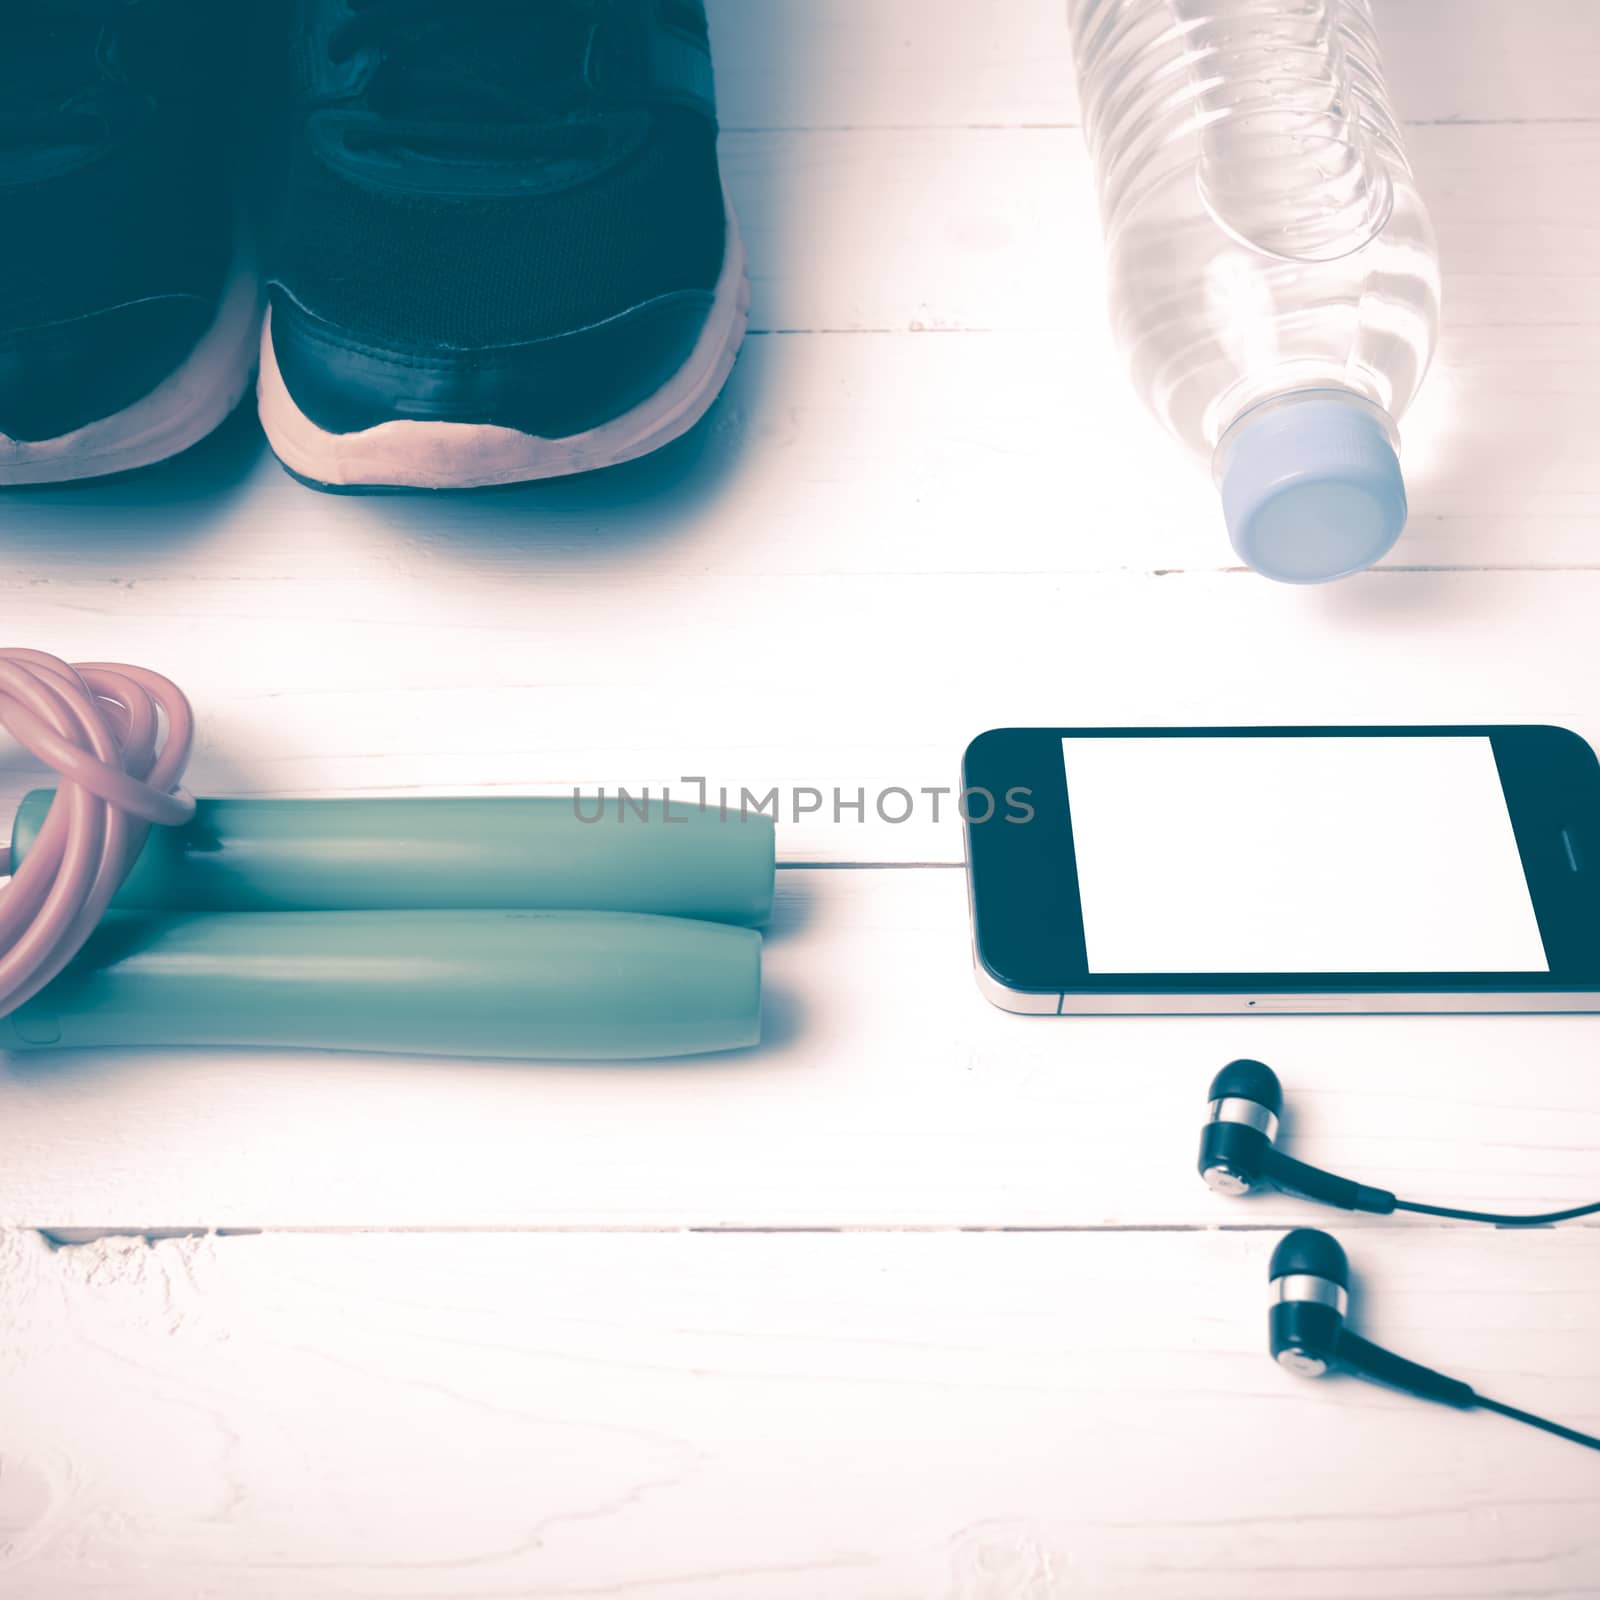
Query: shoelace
{"type": "Point", "coordinates": [491, 74]}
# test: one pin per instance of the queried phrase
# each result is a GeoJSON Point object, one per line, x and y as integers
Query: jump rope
{"type": "Point", "coordinates": [451, 927]}
{"type": "Point", "coordinates": [510, 927]}
{"type": "Point", "coordinates": [98, 725]}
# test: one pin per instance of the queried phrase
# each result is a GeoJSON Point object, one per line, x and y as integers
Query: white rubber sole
{"type": "Point", "coordinates": [462, 455]}
{"type": "Point", "coordinates": [179, 412]}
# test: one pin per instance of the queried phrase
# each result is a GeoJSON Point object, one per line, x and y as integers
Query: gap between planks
{"type": "Point", "coordinates": [1048, 125]}
{"type": "Point", "coordinates": [74, 1238]}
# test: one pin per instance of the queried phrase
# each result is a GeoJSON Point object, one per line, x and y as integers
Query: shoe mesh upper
{"type": "Point", "coordinates": [150, 215]}
{"type": "Point", "coordinates": [116, 142]}
{"type": "Point", "coordinates": [471, 173]}
{"type": "Point", "coordinates": [397, 264]}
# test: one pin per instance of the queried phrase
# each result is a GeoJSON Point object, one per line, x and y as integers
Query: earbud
{"type": "Point", "coordinates": [1309, 1301]}
{"type": "Point", "coordinates": [1310, 1298]}
{"type": "Point", "coordinates": [1246, 1102]}
{"type": "Point", "coordinates": [1237, 1153]}
{"type": "Point", "coordinates": [1306, 1324]}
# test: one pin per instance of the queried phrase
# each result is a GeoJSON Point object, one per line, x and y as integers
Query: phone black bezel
{"type": "Point", "coordinates": [1028, 919]}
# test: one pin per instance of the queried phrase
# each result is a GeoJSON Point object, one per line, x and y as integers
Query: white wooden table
{"type": "Point", "coordinates": [919, 1299]}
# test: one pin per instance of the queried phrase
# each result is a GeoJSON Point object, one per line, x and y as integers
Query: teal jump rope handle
{"type": "Point", "coordinates": [594, 986]}
{"type": "Point", "coordinates": [426, 854]}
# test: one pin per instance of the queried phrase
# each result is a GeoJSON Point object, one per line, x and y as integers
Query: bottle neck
{"type": "Point", "coordinates": [1282, 404]}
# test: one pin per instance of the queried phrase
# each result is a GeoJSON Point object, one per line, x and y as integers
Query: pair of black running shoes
{"type": "Point", "coordinates": [461, 242]}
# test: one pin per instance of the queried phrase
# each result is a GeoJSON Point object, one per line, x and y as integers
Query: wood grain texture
{"type": "Point", "coordinates": [978, 229]}
{"type": "Point", "coordinates": [1006, 63]}
{"type": "Point", "coordinates": [877, 449]}
{"type": "Point", "coordinates": [888, 1093]}
{"type": "Point", "coordinates": [1030, 1363]}
{"type": "Point", "coordinates": [425, 674]}
{"type": "Point", "coordinates": [769, 1417]}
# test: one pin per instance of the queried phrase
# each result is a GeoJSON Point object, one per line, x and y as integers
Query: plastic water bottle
{"type": "Point", "coordinates": [1273, 275]}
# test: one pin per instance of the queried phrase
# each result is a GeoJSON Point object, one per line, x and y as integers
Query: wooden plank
{"type": "Point", "coordinates": [845, 63]}
{"type": "Point", "coordinates": [884, 541]}
{"type": "Point", "coordinates": [841, 63]}
{"type": "Point", "coordinates": [943, 230]}
{"type": "Point", "coordinates": [888, 1093]}
{"type": "Point", "coordinates": [1484, 61]}
{"type": "Point", "coordinates": [902, 451]}
{"type": "Point", "coordinates": [832, 455]}
{"type": "Point", "coordinates": [780, 1417]}
{"type": "Point", "coordinates": [413, 672]}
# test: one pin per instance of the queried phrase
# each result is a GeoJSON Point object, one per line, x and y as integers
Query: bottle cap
{"type": "Point", "coordinates": [1311, 486]}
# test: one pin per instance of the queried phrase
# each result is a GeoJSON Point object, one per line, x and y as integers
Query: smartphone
{"type": "Point", "coordinates": [1239, 870]}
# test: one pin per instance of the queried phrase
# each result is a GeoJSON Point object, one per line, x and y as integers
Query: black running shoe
{"type": "Point", "coordinates": [506, 253]}
{"type": "Point", "coordinates": [128, 327]}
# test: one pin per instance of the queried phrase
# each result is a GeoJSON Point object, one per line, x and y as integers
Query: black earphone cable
{"type": "Point", "coordinates": [1588, 1440]}
{"type": "Point", "coordinates": [1497, 1217]}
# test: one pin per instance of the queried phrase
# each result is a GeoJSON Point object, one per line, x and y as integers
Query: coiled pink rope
{"type": "Point", "coordinates": [98, 725]}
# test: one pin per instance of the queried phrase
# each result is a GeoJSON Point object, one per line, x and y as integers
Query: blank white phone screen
{"type": "Point", "coordinates": [1360, 854]}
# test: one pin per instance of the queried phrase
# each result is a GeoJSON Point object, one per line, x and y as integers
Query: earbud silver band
{"type": "Point", "coordinates": [1300, 1287]}
{"type": "Point", "coordinates": [1249, 1112]}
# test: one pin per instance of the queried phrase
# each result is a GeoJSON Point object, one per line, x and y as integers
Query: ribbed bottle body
{"type": "Point", "coordinates": [1264, 234]}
